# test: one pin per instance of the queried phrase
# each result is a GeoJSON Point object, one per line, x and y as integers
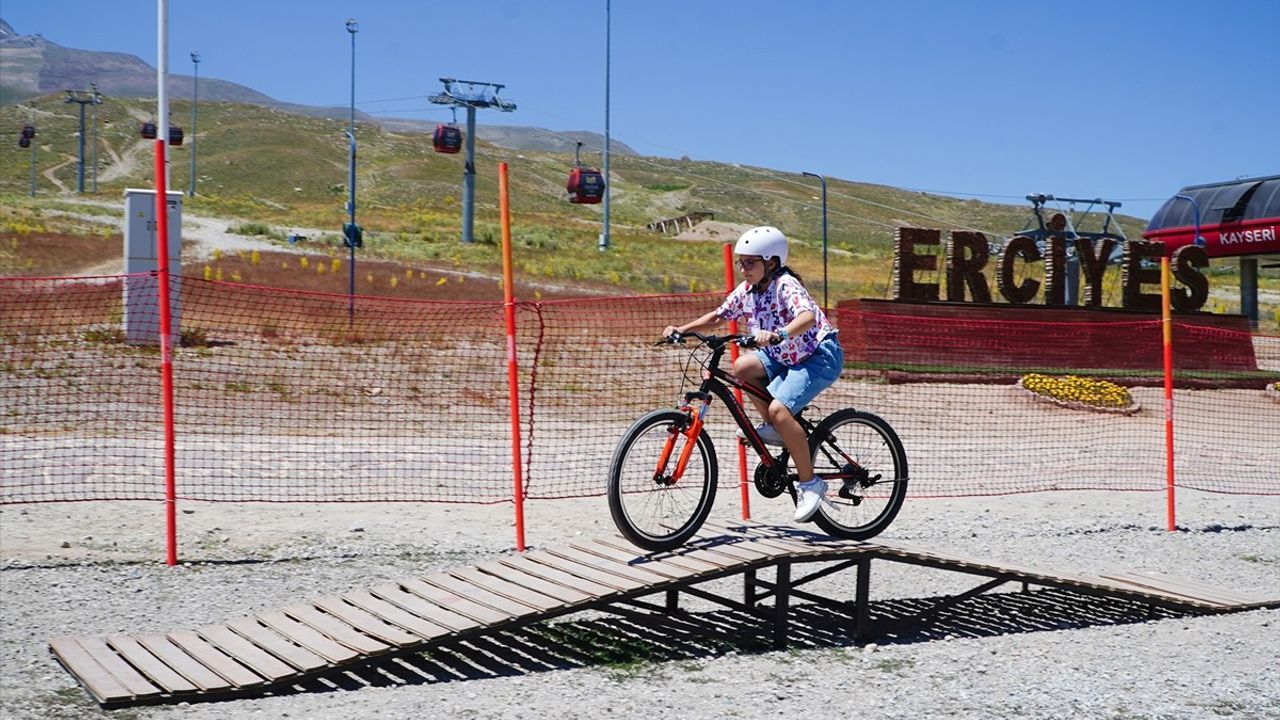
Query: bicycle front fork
{"type": "Point", "coordinates": [690, 434]}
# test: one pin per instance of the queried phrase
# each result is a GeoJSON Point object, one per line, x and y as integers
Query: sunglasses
{"type": "Point", "coordinates": [747, 263]}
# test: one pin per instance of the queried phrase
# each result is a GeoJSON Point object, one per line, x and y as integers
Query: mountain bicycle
{"type": "Point", "coordinates": [662, 476]}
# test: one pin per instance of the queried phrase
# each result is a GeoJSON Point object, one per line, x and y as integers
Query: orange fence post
{"type": "Point", "coordinates": [1167, 323]}
{"type": "Point", "coordinates": [743, 490]}
{"type": "Point", "coordinates": [513, 368]}
{"type": "Point", "coordinates": [166, 357]}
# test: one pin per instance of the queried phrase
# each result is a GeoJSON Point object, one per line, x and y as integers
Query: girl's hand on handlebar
{"type": "Point", "coordinates": [670, 331]}
{"type": "Point", "coordinates": [767, 337]}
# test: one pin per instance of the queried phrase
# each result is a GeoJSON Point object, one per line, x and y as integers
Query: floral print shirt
{"type": "Point", "coordinates": [772, 309]}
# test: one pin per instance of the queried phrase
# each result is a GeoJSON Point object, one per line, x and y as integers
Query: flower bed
{"type": "Point", "coordinates": [1079, 393]}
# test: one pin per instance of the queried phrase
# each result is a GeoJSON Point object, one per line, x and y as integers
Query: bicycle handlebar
{"type": "Point", "coordinates": [712, 341]}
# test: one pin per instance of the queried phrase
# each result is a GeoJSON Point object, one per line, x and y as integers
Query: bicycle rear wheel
{"type": "Point", "coordinates": [866, 466]}
{"type": "Point", "coordinates": [652, 508]}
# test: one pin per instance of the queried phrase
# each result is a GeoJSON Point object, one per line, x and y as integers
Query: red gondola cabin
{"type": "Point", "coordinates": [585, 186]}
{"type": "Point", "coordinates": [448, 139]}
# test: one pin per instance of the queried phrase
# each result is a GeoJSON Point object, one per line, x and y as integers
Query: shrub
{"type": "Point", "coordinates": [1075, 389]}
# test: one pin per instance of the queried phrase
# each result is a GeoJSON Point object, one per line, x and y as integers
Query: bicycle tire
{"type": "Point", "coordinates": [658, 514]}
{"type": "Point", "coordinates": [872, 444]}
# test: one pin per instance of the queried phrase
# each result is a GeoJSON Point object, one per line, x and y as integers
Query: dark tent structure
{"type": "Point", "coordinates": [1237, 218]}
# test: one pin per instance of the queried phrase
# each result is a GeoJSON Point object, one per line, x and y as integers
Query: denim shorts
{"type": "Point", "coordinates": [797, 385]}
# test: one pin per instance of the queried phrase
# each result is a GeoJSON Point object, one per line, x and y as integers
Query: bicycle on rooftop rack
{"type": "Point", "coordinates": [662, 477]}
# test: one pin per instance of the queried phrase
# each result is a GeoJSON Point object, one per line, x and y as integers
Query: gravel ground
{"type": "Point", "coordinates": [1044, 655]}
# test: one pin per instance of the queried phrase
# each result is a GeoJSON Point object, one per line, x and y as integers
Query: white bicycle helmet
{"type": "Point", "coordinates": [765, 241]}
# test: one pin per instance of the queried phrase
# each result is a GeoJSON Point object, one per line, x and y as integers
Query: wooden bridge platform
{"type": "Point", "coordinates": [274, 650]}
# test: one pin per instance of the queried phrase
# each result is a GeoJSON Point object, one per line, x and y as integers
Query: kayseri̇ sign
{"type": "Point", "coordinates": [967, 255]}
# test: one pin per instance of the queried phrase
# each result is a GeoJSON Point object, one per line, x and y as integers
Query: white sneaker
{"type": "Point", "coordinates": [809, 497]}
{"type": "Point", "coordinates": [768, 434]}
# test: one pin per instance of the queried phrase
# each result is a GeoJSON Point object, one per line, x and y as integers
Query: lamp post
{"type": "Point", "coordinates": [195, 100]}
{"type": "Point", "coordinates": [352, 232]}
{"type": "Point", "coordinates": [604, 233]}
{"type": "Point", "coordinates": [823, 180]}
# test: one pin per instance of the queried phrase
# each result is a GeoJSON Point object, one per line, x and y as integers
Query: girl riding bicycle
{"type": "Point", "coordinates": [800, 355]}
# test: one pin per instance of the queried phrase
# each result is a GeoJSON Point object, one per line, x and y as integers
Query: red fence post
{"type": "Point", "coordinates": [513, 375]}
{"type": "Point", "coordinates": [743, 491]}
{"type": "Point", "coordinates": [1167, 322]}
{"type": "Point", "coordinates": [166, 356]}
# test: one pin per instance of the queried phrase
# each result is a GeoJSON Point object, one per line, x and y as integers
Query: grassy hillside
{"type": "Point", "coordinates": [284, 170]}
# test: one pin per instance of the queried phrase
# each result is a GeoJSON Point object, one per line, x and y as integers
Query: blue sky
{"type": "Point", "coordinates": [1119, 99]}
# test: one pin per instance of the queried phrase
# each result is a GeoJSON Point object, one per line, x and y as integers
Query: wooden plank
{"type": "Point", "coordinates": [175, 657]}
{"type": "Point", "coordinates": [246, 653]}
{"type": "Point", "coordinates": [590, 572]}
{"type": "Point", "coordinates": [213, 658]}
{"type": "Point", "coordinates": [397, 616]}
{"type": "Point", "coordinates": [741, 541]}
{"type": "Point", "coordinates": [499, 602]}
{"type": "Point", "coordinates": [681, 559]}
{"type": "Point", "coordinates": [1172, 590]}
{"type": "Point", "coordinates": [706, 554]}
{"type": "Point", "coordinates": [482, 613]}
{"type": "Point", "coordinates": [557, 576]}
{"type": "Point", "coordinates": [567, 595]}
{"type": "Point", "coordinates": [367, 622]}
{"type": "Point", "coordinates": [644, 577]}
{"type": "Point", "coordinates": [151, 666]}
{"type": "Point", "coordinates": [334, 628]}
{"type": "Point", "coordinates": [398, 596]}
{"type": "Point", "coordinates": [732, 546]}
{"type": "Point", "coordinates": [267, 639]}
{"type": "Point", "coordinates": [135, 682]}
{"type": "Point", "coordinates": [629, 559]}
{"type": "Point", "coordinates": [307, 637]}
{"type": "Point", "coordinates": [1234, 596]}
{"type": "Point", "coordinates": [510, 590]}
{"type": "Point", "coordinates": [786, 539]}
{"type": "Point", "coordinates": [96, 679]}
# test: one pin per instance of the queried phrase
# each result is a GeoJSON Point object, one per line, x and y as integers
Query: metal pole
{"type": "Point", "coordinates": [162, 81]}
{"type": "Point", "coordinates": [469, 177]}
{"type": "Point", "coordinates": [604, 234]}
{"type": "Point", "coordinates": [352, 27]}
{"type": "Point", "coordinates": [195, 100]}
{"type": "Point", "coordinates": [33, 167]}
{"type": "Point", "coordinates": [96, 101]}
{"type": "Point", "coordinates": [80, 167]}
{"type": "Point", "coordinates": [824, 238]}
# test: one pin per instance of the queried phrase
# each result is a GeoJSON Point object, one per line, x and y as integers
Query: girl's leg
{"type": "Point", "coordinates": [793, 437]}
{"type": "Point", "coordinates": [749, 368]}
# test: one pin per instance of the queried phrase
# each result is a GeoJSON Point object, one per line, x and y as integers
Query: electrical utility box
{"type": "Point", "coordinates": [141, 263]}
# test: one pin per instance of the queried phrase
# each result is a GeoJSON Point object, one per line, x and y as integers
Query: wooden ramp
{"type": "Point", "coordinates": [278, 649]}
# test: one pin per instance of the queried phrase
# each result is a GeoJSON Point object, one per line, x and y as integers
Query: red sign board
{"type": "Point", "coordinates": [1250, 237]}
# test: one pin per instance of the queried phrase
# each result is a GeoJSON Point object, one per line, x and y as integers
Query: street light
{"type": "Point", "coordinates": [351, 233]}
{"type": "Point", "coordinates": [604, 234]}
{"type": "Point", "coordinates": [824, 237]}
{"type": "Point", "coordinates": [195, 99]}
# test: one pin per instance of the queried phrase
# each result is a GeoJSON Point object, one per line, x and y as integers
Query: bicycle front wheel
{"type": "Point", "coordinates": [866, 467]}
{"type": "Point", "coordinates": [650, 505]}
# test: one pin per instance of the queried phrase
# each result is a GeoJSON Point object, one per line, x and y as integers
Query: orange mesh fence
{"type": "Point", "coordinates": [279, 396]}
{"type": "Point", "coordinates": [290, 396]}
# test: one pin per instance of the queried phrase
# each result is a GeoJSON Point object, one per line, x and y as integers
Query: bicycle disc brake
{"type": "Point", "coordinates": [772, 482]}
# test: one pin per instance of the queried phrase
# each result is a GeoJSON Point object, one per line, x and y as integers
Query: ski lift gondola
{"type": "Point", "coordinates": [448, 139]}
{"type": "Point", "coordinates": [586, 185]}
